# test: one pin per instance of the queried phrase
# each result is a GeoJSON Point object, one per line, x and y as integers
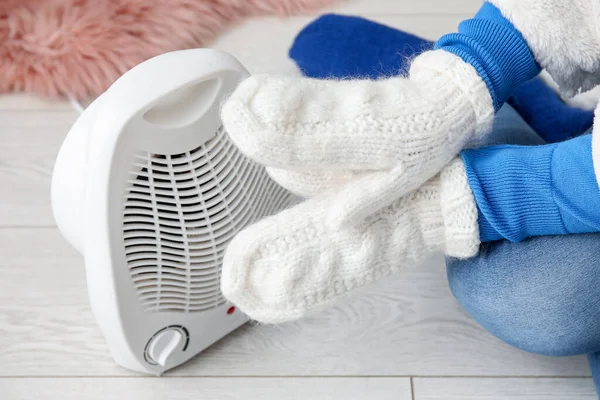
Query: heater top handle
{"type": "Point", "coordinates": [140, 88]}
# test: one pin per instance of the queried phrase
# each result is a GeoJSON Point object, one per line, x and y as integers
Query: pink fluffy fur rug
{"type": "Point", "coordinates": [79, 47]}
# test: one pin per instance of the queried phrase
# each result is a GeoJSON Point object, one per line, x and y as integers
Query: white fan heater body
{"type": "Point", "coordinates": [150, 190]}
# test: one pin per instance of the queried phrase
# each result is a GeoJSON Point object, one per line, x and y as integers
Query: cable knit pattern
{"type": "Point", "coordinates": [290, 264]}
{"type": "Point", "coordinates": [403, 129]}
{"type": "Point", "coordinates": [311, 183]}
{"type": "Point", "coordinates": [459, 212]}
{"type": "Point", "coordinates": [370, 152]}
{"type": "Point", "coordinates": [291, 122]}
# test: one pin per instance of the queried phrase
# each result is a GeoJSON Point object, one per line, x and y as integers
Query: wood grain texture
{"type": "Point", "coordinates": [28, 149]}
{"type": "Point", "coordinates": [206, 388]}
{"type": "Point", "coordinates": [407, 325]}
{"type": "Point", "coordinates": [504, 388]}
{"type": "Point", "coordinates": [426, 7]}
{"type": "Point", "coordinates": [26, 101]}
{"type": "Point", "coordinates": [247, 41]}
{"type": "Point", "coordinates": [361, 348]}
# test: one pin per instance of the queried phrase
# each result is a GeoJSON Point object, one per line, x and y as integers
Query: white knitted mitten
{"type": "Point", "coordinates": [364, 149]}
{"type": "Point", "coordinates": [289, 264]}
{"type": "Point", "coordinates": [401, 130]}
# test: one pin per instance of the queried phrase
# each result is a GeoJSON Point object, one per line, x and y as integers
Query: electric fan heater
{"type": "Point", "coordinates": [150, 190]}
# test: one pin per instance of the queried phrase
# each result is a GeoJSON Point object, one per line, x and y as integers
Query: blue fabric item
{"type": "Point", "coordinates": [526, 191]}
{"type": "Point", "coordinates": [540, 295]}
{"type": "Point", "coordinates": [545, 111]}
{"type": "Point", "coordinates": [594, 360]}
{"type": "Point", "coordinates": [513, 190]}
{"type": "Point", "coordinates": [496, 50]}
{"type": "Point", "coordinates": [336, 46]}
{"type": "Point", "coordinates": [342, 47]}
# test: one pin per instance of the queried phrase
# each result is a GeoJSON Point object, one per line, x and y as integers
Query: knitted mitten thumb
{"type": "Point", "coordinates": [292, 263]}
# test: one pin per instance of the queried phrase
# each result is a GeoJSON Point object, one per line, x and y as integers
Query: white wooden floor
{"type": "Point", "coordinates": [401, 339]}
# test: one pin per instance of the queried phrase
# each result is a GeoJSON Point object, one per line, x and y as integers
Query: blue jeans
{"type": "Point", "coordinates": [541, 295]}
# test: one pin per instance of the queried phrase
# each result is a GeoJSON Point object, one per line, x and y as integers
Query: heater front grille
{"type": "Point", "coordinates": [181, 211]}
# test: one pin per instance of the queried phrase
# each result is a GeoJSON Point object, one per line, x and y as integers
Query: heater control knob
{"type": "Point", "coordinates": [164, 344]}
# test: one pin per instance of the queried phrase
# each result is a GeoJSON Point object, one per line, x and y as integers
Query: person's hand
{"type": "Point", "coordinates": [285, 266]}
{"type": "Point", "coordinates": [363, 150]}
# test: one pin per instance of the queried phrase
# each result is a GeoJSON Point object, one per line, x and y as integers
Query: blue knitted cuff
{"type": "Point", "coordinates": [575, 187]}
{"type": "Point", "coordinates": [497, 51]}
{"type": "Point", "coordinates": [513, 189]}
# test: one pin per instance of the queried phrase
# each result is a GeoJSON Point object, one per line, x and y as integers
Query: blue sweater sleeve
{"type": "Point", "coordinates": [497, 51]}
{"type": "Point", "coordinates": [534, 191]}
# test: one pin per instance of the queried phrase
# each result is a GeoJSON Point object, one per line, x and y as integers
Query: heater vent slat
{"type": "Point", "coordinates": [179, 213]}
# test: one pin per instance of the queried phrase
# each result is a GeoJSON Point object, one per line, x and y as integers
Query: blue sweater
{"type": "Point", "coordinates": [526, 191]}
{"type": "Point", "coordinates": [497, 51]}
{"type": "Point", "coordinates": [522, 191]}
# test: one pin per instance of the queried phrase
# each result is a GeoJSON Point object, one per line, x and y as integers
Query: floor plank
{"type": "Point", "coordinates": [28, 149]}
{"type": "Point", "coordinates": [504, 388]}
{"type": "Point", "coordinates": [26, 101]}
{"type": "Point", "coordinates": [206, 388]}
{"type": "Point", "coordinates": [51, 348]}
{"type": "Point", "coordinates": [408, 325]}
{"type": "Point", "coordinates": [387, 7]}
{"type": "Point", "coordinates": [246, 42]}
